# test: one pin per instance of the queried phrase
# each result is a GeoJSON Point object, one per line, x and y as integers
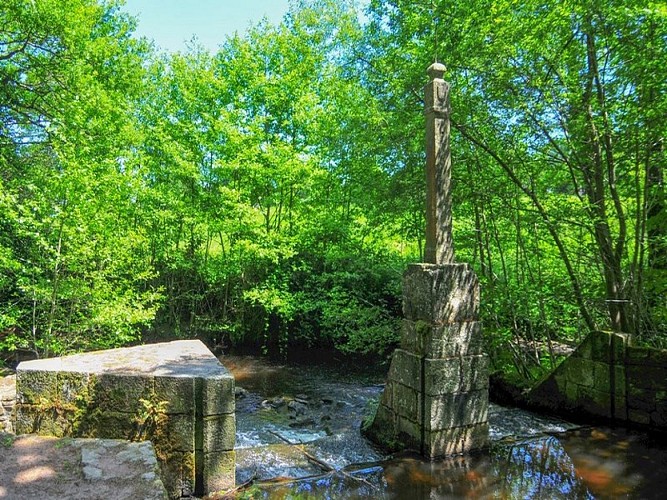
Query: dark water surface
{"type": "Point", "coordinates": [298, 437]}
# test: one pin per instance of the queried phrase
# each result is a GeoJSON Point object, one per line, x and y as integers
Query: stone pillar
{"type": "Point", "coordinates": [439, 244]}
{"type": "Point", "coordinates": [436, 397]}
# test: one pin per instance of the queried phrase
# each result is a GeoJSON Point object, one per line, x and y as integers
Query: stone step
{"type": "Point", "coordinates": [36, 467]}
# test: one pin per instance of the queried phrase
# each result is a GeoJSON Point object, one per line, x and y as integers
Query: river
{"type": "Point", "coordinates": [298, 437]}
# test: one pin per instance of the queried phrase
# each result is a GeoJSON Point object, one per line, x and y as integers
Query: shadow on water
{"type": "Point", "coordinates": [298, 437]}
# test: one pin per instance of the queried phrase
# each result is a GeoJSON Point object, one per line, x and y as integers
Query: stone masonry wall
{"type": "Point", "coordinates": [646, 372]}
{"type": "Point", "coordinates": [176, 394]}
{"type": "Point", "coordinates": [436, 397]}
{"type": "Point", "coordinates": [607, 377]}
{"type": "Point", "coordinates": [7, 401]}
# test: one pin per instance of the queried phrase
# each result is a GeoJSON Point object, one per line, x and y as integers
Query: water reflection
{"type": "Point", "coordinates": [539, 468]}
{"type": "Point", "coordinates": [298, 437]}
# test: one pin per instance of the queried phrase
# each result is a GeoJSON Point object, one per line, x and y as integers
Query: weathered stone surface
{"type": "Point", "coordinates": [455, 410]}
{"type": "Point", "coordinates": [179, 432]}
{"type": "Point", "coordinates": [406, 369]}
{"type": "Point", "coordinates": [44, 467]}
{"type": "Point", "coordinates": [221, 468]}
{"type": "Point", "coordinates": [638, 356]}
{"type": "Point", "coordinates": [406, 401]}
{"type": "Point", "coordinates": [219, 433]}
{"type": "Point", "coordinates": [409, 433]}
{"type": "Point", "coordinates": [442, 376]}
{"type": "Point", "coordinates": [36, 385]}
{"type": "Point", "coordinates": [215, 392]}
{"type": "Point", "coordinates": [7, 402]}
{"type": "Point", "coordinates": [619, 380]}
{"type": "Point", "coordinates": [442, 341]}
{"type": "Point", "coordinates": [440, 294]}
{"type": "Point", "coordinates": [171, 393]}
{"type": "Point", "coordinates": [474, 373]}
{"type": "Point", "coordinates": [456, 440]}
{"type": "Point", "coordinates": [647, 377]}
{"type": "Point", "coordinates": [454, 375]}
{"type": "Point", "coordinates": [439, 248]}
{"type": "Point", "coordinates": [178, 392]}
{"type": "Point", "coordinates": [122, 392]}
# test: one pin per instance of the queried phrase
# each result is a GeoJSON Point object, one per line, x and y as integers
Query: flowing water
{"type": "Point", "coordinates": [298, 437]}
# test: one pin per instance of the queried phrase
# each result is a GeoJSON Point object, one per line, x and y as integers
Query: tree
{"type": "Point", "coordinates": [72, 271]}
{"type": "Point", "coordinates": [560, 100]}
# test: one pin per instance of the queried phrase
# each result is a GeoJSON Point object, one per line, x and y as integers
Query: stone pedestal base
{"type": "Point", "coordinates": [436, 397]}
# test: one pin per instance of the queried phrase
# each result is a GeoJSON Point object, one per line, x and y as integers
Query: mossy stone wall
{"type": "Point", "coordinates": [608, 377]}
{"type": "Point", "coordinates": [175, 394]}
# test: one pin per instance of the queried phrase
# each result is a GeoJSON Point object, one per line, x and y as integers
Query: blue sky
{"type": "Point", "coordinates": [171, 23]}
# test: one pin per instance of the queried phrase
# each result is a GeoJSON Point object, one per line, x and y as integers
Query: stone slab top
{"type": "Point", "coordinates": [180, 358]}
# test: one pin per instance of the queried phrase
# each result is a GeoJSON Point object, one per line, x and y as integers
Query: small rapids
{"type": "Point", "coordinates": [298, 436]}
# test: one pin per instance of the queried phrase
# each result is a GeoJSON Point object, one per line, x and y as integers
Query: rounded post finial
{"type": "Point", "coordinates": [436, 71]}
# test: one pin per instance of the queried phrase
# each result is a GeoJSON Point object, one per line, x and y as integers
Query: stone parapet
{"type": "Point", "coordinates": [608, 377]}
{"type": "Point", "coordinates": [175, 394]}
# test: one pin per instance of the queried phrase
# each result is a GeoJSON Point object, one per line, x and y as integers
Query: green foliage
{"type": "Point", "coordinates": [150, 420]}
{"type": "Point", "coordinates": [271, 193]}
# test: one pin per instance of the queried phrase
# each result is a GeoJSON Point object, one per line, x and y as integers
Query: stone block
{"type": "Point", "coordinates": [647, 377]}
{"type": "Point", "coordinates": [584, 350]}
{"type": "Point", "coordinates": [122, 392]}
{"type": "Point", "coordinates": [179, 433]}
{"type": "Point", "coordinates": [442, 294]}
{"type": "Point", "coordinates": [219, 471]}
{"type": "Point", "coordinates": [406, 401]}
{"type": "Point", "coordinates": [637, 355]}
{"type": "Point", "coordinates": [44, 422]}
{"type": "Point", "coordinates": [442, 341]}
{"type": "Point", "coordinates": [218, 393]}
{"type": "Point", "coordinates": [72, 386]}
{"type": "Point", "coordinates": [409, 433]}
{"type": "Point", "coordinates": [601, 376]}
{"type": "Point", "coordinates": [570, 390]}
{"type": "Point", "coordinates": [645, 402]}
{"type": "Point", "coordinates": [387, 396]}
{"type": "Point", "coordinates": [219, 433]}
{"type": "Point", "coordinates": [619, 380]}
{"type": "Point", "coordinates": [178, 392]}
{"type": "Point", "coordinates": [619, 345]}
{"type": "Point", "coordinates": [382, 428]}
{"type": "Point", "coordinates": [456, 440]}
{"type": "Point", "coordinates": [108, 425]}
{"type": "Point", "coordinates": [34, 386]}
{"type": "Point", "coordinates": [178, 473]}
{"type": "Point", "coordinates": [600, 346]}
{"type": "Point", "coordinates": [474, 373]}
{"type": "Point", "coordinates": [593, 401]}
{"type": "Point", "coordinates": [442, 376]}
{"type": "Point", "coordinates": [100, 394]}
{"type": "Point", "coordinates": [405, 369]}
{"type": "Point", "coordinates": [579, 371]}
{"type": "Point", "coordinates": [456, 410]}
